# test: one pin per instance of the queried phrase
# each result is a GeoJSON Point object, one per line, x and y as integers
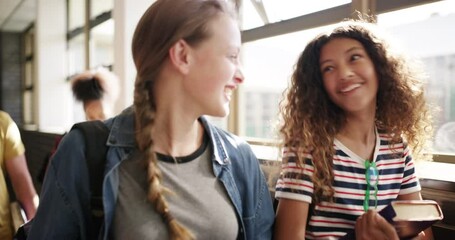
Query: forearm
{"type": "Point", "coordinates": [291, 219]}
{"type": "Point", "coordinates": [26, 195]}
{"type": "Point", "coordinates": [22, 184]}
{"type": "Point", "coordinates": [28, 199]}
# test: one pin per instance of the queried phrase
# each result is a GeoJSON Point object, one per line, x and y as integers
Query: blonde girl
{"type": "Point", "coordinates": [170, 174]}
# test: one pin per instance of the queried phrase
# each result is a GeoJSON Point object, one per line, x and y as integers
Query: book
{"type": "Point", "coordinates": [409, 217]}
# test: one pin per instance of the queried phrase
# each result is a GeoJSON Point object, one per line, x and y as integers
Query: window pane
{"type": "Point", "coordinates": [427, 33]}
{"type": "Point", "coordinates": [28, 107]}
{"type": "Point", "coordinates": [267, 77]}
{"type": "Point", "coordinates": [102, 48]}
{"type": "Point", "coordinates": [76, 17]}
{"type": "Point", "coordinates": [28, 74]}
{"type": "Point", "coordinates": [100, 6]}
{"type": "Point", "coordinates": [76, 55]}
{"type": "Point", "coordinates": [28, 41]}
{"type": "Point", "coordinates": [283, 9]}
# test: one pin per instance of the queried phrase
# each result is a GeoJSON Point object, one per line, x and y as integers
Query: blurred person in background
{"type": "Point", "coordinates": [14, 165]}
{"type": "Point", "coordinates": [98, 91]}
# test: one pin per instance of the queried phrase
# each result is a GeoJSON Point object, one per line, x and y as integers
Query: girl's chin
{"type": "Point", "coordinates": [222, 112]}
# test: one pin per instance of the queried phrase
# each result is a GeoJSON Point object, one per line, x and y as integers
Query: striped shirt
{"type": "Point", "coordinates": [331, 220]}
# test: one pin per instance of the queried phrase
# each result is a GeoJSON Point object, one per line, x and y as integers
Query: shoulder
{"type": "Point", "coordinates": [122, 129]}
{"type": "Point", "coordinates": [10, 137]}
{"type": "Point", "coordinates": [4, 115]}
{"type": "Point", "coordinates": [389, 139]}
{"type": "Point", "coordinates": [232, 142]}
{"type": "Point", "coordinates": [227, 137]}
{"type": "Point", "coordinates": [5, 120]}
{"type": "Point", "coordinates": [225, 142]}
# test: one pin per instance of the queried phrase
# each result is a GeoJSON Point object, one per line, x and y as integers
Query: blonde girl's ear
{"type": "Point", "coordinates": [179, 56]}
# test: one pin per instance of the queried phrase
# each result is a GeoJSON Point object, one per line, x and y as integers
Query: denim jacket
{"type": "Point", "coordinates": [64, 208]}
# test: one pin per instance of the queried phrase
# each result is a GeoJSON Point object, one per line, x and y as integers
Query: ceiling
{"type": "Point", "coordinates": [16, 15]}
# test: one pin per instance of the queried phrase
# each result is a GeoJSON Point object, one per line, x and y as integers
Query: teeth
{"type": "Point", "coordinates": [228, 91]}
{"type": "Point", "coordinates": [350, 87]}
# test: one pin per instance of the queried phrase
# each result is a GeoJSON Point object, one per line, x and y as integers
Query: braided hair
{"type": "Point", "coordinates": [163, 24]}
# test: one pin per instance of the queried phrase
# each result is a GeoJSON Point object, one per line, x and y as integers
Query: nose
{"type": "Point", "coordinates": [238, 76]}
{"type": "Point", "coordinates": [345, 72]}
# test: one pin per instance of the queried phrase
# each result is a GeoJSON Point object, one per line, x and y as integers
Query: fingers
{"type": "Point", "coordinates": [421, 235]}
{"type": "Point", "coordinates": [385, 227]}
{"type": "Point", "coordinates": [373, 226]}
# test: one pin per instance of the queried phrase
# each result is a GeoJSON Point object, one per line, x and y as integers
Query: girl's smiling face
{"type": "Point", "coordinates": [348, 75]}
{"type": "Point", "coordinates": [216, 71]}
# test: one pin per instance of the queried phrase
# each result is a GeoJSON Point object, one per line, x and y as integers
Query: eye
{"type": "Point", "coordinates": [234, 56]}
{"type": "Point", "coordinates": [326, 69]}
{"type": "Point", "coordinates": [355, 57]}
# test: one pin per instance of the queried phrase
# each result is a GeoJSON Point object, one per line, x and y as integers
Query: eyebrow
{"type": "Point", "coordinates": [347, 51]}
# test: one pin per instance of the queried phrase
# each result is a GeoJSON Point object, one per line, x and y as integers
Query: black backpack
{"type": "Point", "coordinates": [95, 136]}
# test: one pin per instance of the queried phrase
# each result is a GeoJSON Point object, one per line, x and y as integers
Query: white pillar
{"type": "Point", "coordinates": [53, 98]}
{"type": "Point", "coordinates": [126, 15]}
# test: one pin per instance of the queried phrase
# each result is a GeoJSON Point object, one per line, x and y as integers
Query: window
{"type": "Point", "coordinates": [76, 55]}
{"type": "Point", "coordinates": [29, 80]}
{"type": "Point", "coordinates": [427, 34]}
{"type": "Point", "coordinates": [268, 65]}
{"type": "Point", "coordinates": [99, 7]}
{"type": "Point", "coordinates": [261, 12]}
{"type": "Point", "coordinates": [102, 44]}
{"type": "Point", "coordinates": [76, 14]}
{"type": "Point", "coordinates": [90, 44]}
{"type": "Point", "coordinates": [271, 48]}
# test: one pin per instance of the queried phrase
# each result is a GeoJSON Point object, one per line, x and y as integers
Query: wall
{"type": "Point", "coordinates": [126, 16]}
{"type": "Point", "coordinates": [11, 75]}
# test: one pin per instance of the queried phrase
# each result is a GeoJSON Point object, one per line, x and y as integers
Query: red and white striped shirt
{"type": "Point", "coordinates": [331, 220]}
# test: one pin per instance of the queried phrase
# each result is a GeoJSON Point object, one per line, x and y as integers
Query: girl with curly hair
{"type": "Point", "coordinates": [352, 114]}
{"type": "Point", "coordinates": [170, 173]}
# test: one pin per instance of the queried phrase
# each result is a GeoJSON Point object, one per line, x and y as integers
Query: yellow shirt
{"type": "Point", "coordinates": [10, 147]}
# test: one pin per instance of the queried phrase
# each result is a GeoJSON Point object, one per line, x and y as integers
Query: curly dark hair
{"type": "Point", "coordinates": [311, 120]}
{"type": "Point", "coordinates": [89, 89]}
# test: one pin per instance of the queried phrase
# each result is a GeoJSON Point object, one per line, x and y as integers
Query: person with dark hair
{"type": "Point", "coordinates": [170, 173]}
{"type": "Point", "coordinates": [14, 165]}
{"type": "Point", "coordinates": [97, 90]}
{"type": "Point", "coordinates": [353, 112]}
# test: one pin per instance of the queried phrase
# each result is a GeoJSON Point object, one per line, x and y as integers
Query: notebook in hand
{"type": "Point", "coordinates": [409, 217]}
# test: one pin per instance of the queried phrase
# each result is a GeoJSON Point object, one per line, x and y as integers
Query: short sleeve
{"type": "Point", "coordinates": [295, 180]}
{"type": "Point", "coordinates": [410, 183]}
{"type": "Point", "coordinates": [13, 145]}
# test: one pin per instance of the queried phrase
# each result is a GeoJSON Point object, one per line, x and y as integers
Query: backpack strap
{"type": "Point", "coordinates": [95, 136]}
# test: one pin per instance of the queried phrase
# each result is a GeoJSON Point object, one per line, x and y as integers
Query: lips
{"type": "Point", "coordinates": [350, 88]}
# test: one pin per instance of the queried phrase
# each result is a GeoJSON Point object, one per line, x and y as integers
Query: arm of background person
{"type": "Point", "coordinates": [22, 184]}
{"type": "Point", "coordinates": [291, 219]}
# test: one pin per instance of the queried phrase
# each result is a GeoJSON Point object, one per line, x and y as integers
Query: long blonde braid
{"type": "Point", "coordinates": [145, 117]}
